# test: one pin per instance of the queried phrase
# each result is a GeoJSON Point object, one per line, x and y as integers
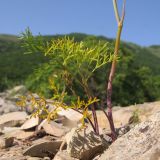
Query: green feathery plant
{"type": "Point", "coordinates": [41, 109]}
{"type": "Point", "coordinates": [135, 118]}
{"type": "Point", "coordinates": [74, 64]}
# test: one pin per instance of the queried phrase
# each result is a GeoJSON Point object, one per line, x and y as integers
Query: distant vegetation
{"type": "Point", "coordinates": [155, 49]}
{"type": "Point", "coordinates": [137, 79]}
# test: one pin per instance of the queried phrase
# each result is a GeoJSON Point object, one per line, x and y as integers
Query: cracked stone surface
{"type": "Point", "coordinates": [141, 143]}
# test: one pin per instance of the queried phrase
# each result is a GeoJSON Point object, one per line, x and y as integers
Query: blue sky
{"type": "Point", "coordinates": [142, 22]}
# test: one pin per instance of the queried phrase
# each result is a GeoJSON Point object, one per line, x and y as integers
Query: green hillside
{"type": "Point", "coordinates": [15, 66]}
{"type": "Point", "coordinates": [155, 50]}
{"type": "Point", "coordinates": [145, 56]}
{"type": "Point", "coordinates": [137, 78]}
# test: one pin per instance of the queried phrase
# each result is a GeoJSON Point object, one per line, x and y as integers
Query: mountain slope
{"type": "Point", "coordinates": [137, 79]}
{"type": "Point", "coordinates": [16, 66]}
{"type": "Point", "coordinates": [155, 50]}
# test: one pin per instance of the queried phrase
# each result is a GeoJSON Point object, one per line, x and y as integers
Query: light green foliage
{"type": "Point", "coordinates": [31, 43]}
{"type": "Point", "coordinates": [38, 80]}
{"type": "Point", "coordinates": [73, 63]}
{"type": "Point", "coordinates": [84, 108]}
{"type": "Point", "coordinates": [135, 117]}
{"type": "Point", "coordinates": [41, 110]}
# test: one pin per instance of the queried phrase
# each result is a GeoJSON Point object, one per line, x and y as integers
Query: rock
{"type": "Point", "coordinates": [45, 139]}
{"type": "Point", "coordinates": [141, 143]}
{"type": "Point", "coordinates": [6, 142]}
{"type": "Point", "coordinates": [43, 149]}
{"type": "Point", "coordinates": [70, 114]}
{"type": "Point", "coordinates": [63, 155]}
{"type": "Point", "coordinates": [123, 130]}
{"type": "Point", "coordinates": [144, 110]}
{"type": "Point", "coordinates": [2, 94]}
{"type": "Point", "coordinates": [46, 158]}
{"type": "Point", "coordinates": [54, 128]}
{"type": "Point", "coordinates": [34, 158]}
{"type": "Point", "coordinates": [7, 106]}
{"type": "Point", "coordinates": [30, 123]}
{"type": "Point", "coordinates": [1, 102]}
{"type": "Point", "coordinates": [1, 132]}
{"type": "Point", "coordinates": [29, 108]}
{"type": "Point", "coordinates": [69, 118]}
{"type": "Point", "coordinates": [84, 145]}
{"type": "Point", "coordinates": [12, 119]}
{"type": "Point", "coordinates": [10, 129]}
{"type": "Point", "coordinates": [22, 134]}
{"type": "Point", "coordinates": [15, 92]}
{"type": "Point", "coordinates": [67, 122]}
{"type": "Point", "coordinates": [15, 152]}
{"type": "Point", "coordinates": [19, 134]}
{"type": "Point", "coordinates": [10, 107]}
{"type": "Point", "coordinates": [119, 121]}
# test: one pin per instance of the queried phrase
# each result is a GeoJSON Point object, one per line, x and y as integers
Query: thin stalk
{"type": "Point", "coordinates": [94, 115]}
{"type": "Point", "coordinates": [116, 10]}
{"type": "Point", "coordinates": [95, 118]}
{"type": "Point", "coordinates": [83, 84]}
{"type": "Point", "coordinates": [109, 87]}
{"type": "Point", "coordinates": [93, 127]}
{"type": "Point", "coordinates": [113, 68]}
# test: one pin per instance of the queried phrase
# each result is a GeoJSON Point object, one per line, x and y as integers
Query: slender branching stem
{"type": "Point", "coordinates": [95, 118]}
{"type": "Point", "coordinates": [113, 68]}
{"type": "Point", "coordinates": [94, 115]}
{"type": "Point", "coordinates": [116, 10]}
{"type": "Point", "coordinates": [89, 120]}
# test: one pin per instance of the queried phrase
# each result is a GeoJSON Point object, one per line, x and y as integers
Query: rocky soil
{"type": "Point", "coordinates": [26, 138]}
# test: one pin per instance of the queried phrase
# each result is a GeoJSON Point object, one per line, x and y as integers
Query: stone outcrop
{"type": "Point", "coordinates": [43, 149]}
{"type": "Point", "coordinates": [141, 143]}
{"type": "Point", "coordinates": [84, 145]}
{"type": "Point", "coordinates": [53, 128]}
{"type": "Point", "coordinates": [6, 142]}
{"type": "Point", "coordinates": [12, 119]}
{"type": "Point", "coordinates": [30, 123]}
{"type": "Point", "coordinates": [63, 155]}
{"type": "Point", "coordinates": [36, 137]}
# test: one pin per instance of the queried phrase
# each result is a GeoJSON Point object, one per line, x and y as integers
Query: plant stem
{"type": "Point", "coordinates": [116, 10]}
{"type": "Point", "coordinates": [87, 119]}
{"type": "Point", "coordinates": [95, 118]}
{"type": "Point", "coordinates": [113, 68]}
{"type": "Point", "coordinates": [94, 115]}
{"type": "Point", "coordinates": [109, 87]}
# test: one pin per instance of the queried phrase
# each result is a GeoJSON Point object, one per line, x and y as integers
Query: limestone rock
{"type": "Point", "coordinates": [46, 158]}
{"type": "Point", "coordinates": [67, 122]}
{"type": "Point", "coordinates": [30, 123]}
{"type": "Point", "coordinates": [144, 110]}
{"type": "Point", "coordinates": [43, 149]}
{"type": "Point", "coordinates": [12, 119]}
{"type": "Point", "coordinates": [45, 139]}
{"type": "Point", "coordinates": [70, 114]}
{"type": "Point", "coordinates": [6, 142]}
{"type": "Point", "coordinates": [10, 129]}
{"type": "Point", "coordinates": [1, 102]}
{"type": "Point", "coordinates": [34, 158]}
{"type": "Point", "coordinates": [54, 128]}
{"type": "Point", "coordinates": [124, 129]}
{"type": "Point", "coordinates": [7, 106]}
{"type": "Point", "coordinates": [63, 155]}
{"type": "Point", "coordinates": [19, 134]}
{"type": "Point", "coordinates": [141, 143]}
{"type": "Point", "coordinates": [13, 93]}
{"type": "Point", "coordinates": [84, 145]}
